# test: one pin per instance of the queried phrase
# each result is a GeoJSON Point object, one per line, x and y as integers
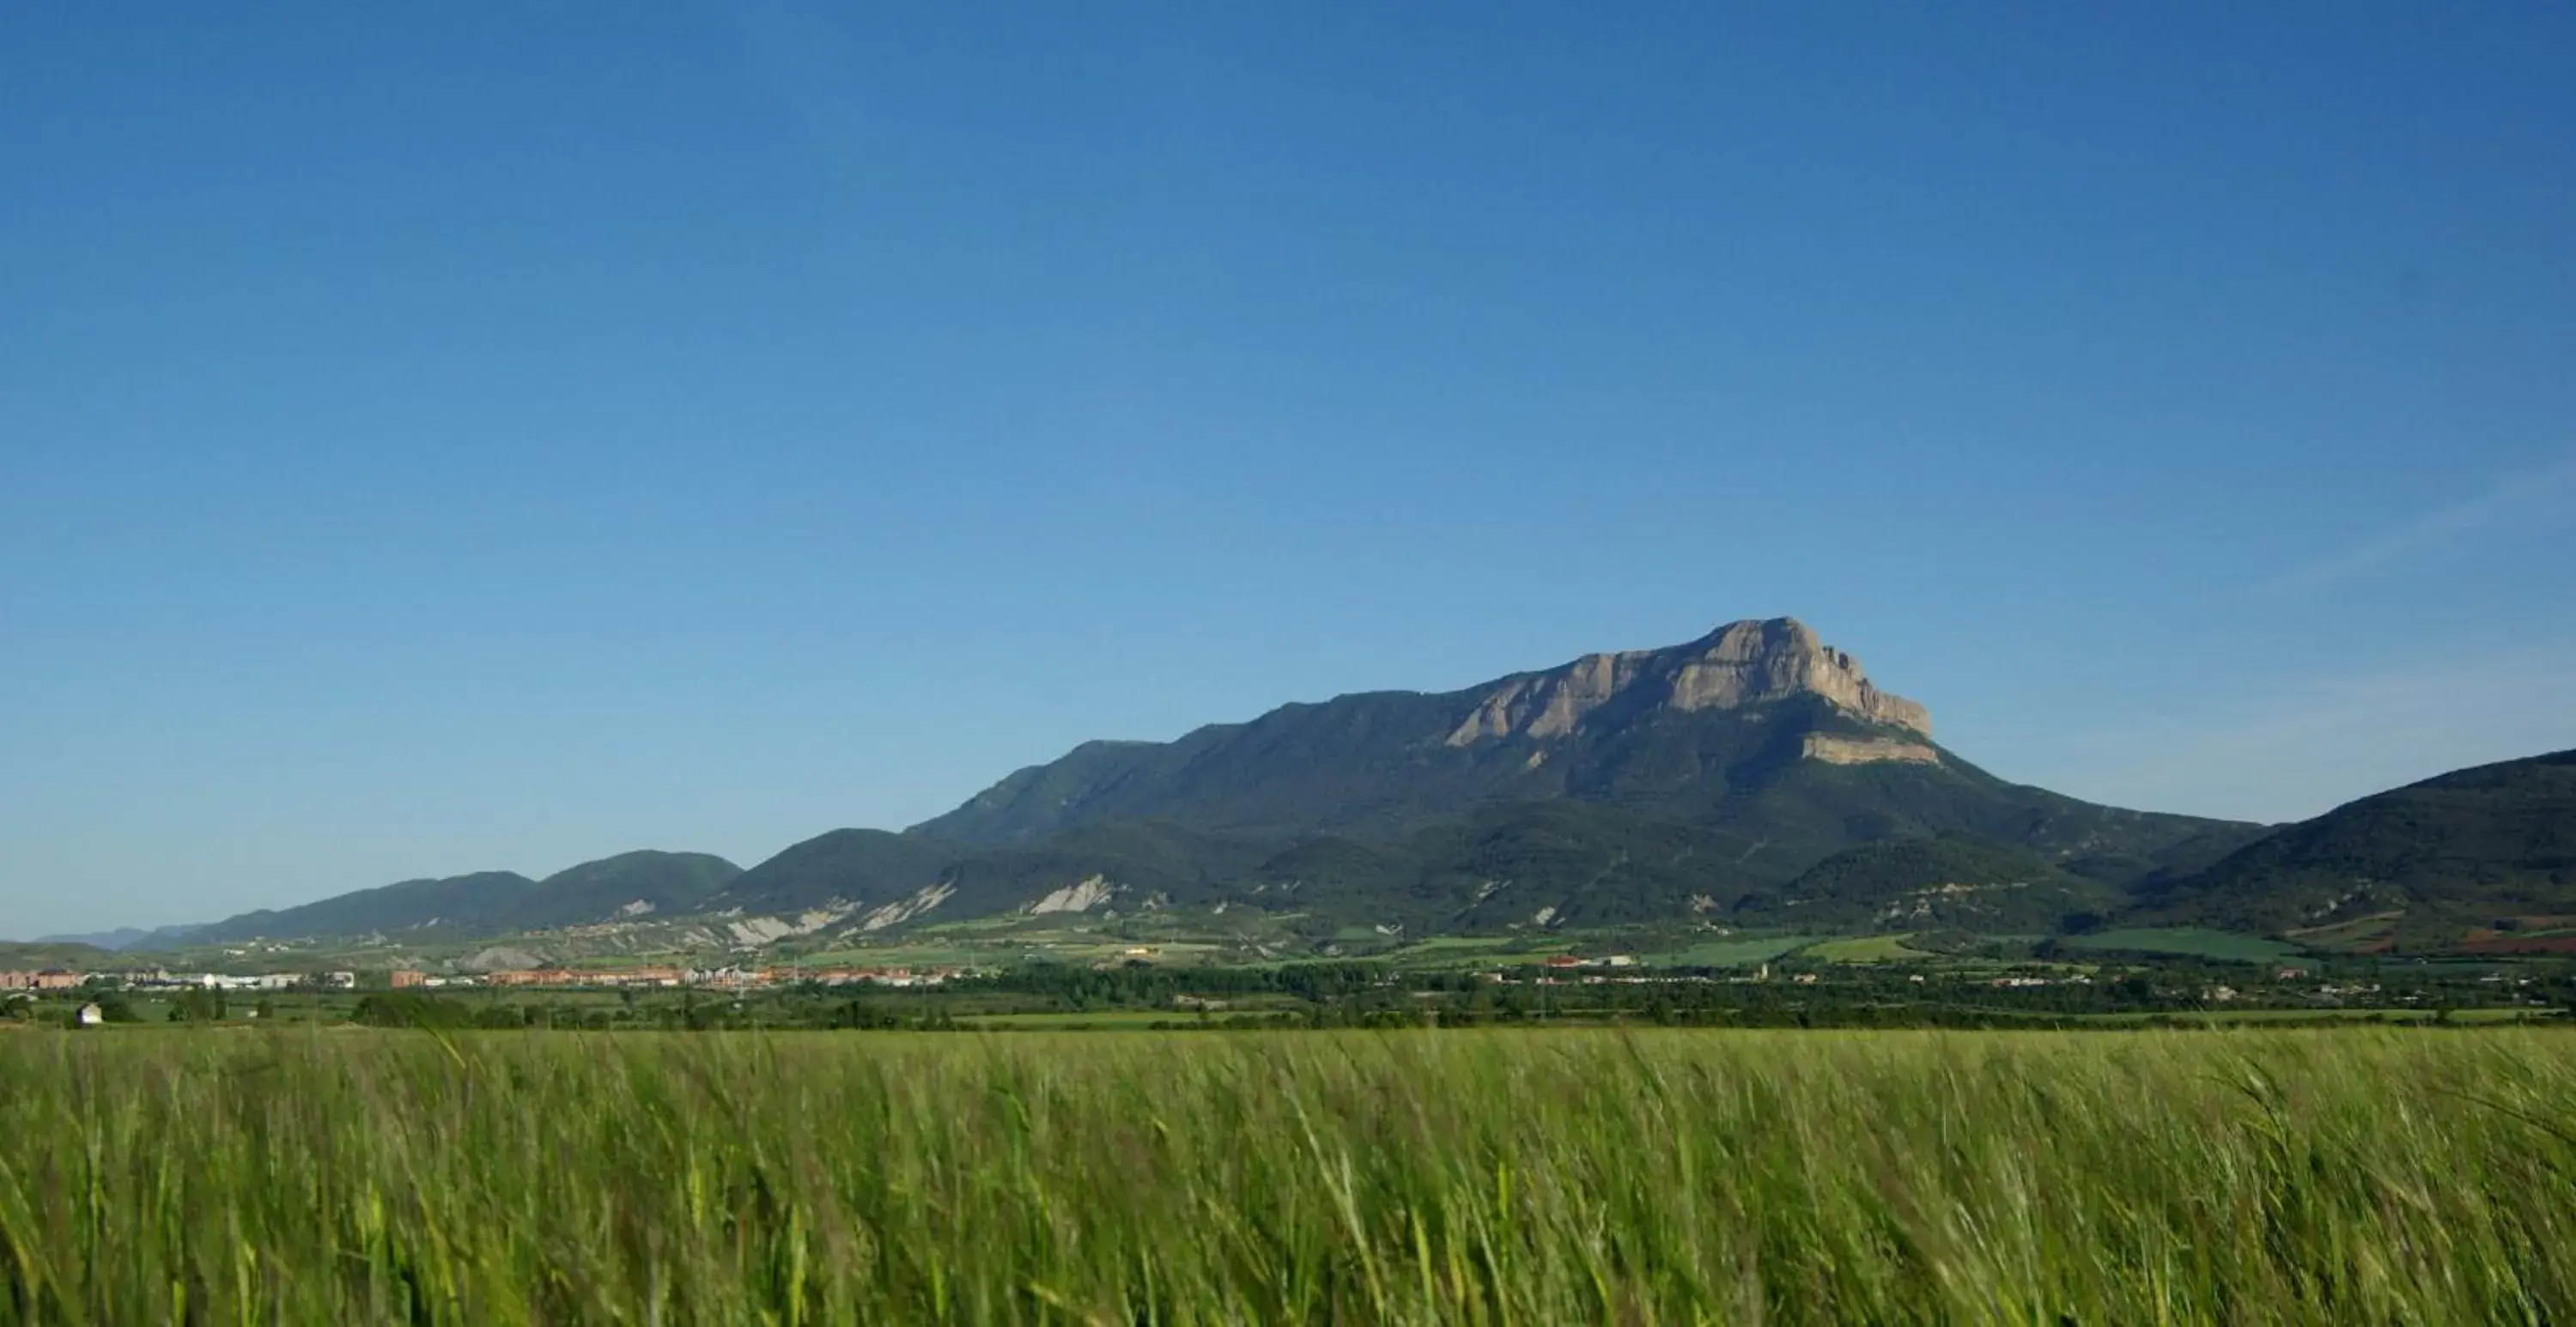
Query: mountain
{"type": "Point", "coordinates": [1646, 727]}
{"type": "Point", "coordinates": [1652, 785]}
{"type": "Point", "coordinates": [497, 902]}
{"type": "Point", "coordinates": [2494, 843]}
{"type": "Point", "coordinates": [1754, 774]}
{"type": "Point", "coordinates": [1758, 730]}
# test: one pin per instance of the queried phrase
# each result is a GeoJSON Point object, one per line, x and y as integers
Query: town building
{"type": "Point", "coordinates": [533, 977]}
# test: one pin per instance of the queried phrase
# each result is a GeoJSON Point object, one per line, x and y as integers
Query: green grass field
{"type": "Point", "coordinates": [2222, 1017]}
{"type": "Point", "coordinates": [2189, 942]}
{"type": "Point", "coordinates": [1739, 952]}
{"type": "Point", "coordinates": [1865, 949]}
{"type": "Point", "coordinates": [1105, 1018]}
{"type": "Point", "coordinates": [2364, 1175]}
{"type": "Point", "coordinates": [1464, 951]}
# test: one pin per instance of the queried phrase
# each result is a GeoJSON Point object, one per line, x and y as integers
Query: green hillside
{"type": "Point", "coordinates": [467, 903]}
{"type": "Point", "coordinates": [843, 865]}
{"type": "Point", "coordinates": [629, 884]}
{"type": "Point", "coordinates": [2496, 843]}
{"type": "Point", "coordinates": [1524, 866]}
{"type": "Point", "coordinates": [1930, 883]}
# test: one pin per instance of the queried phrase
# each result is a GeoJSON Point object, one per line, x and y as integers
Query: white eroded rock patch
{"type": "Point", "coordinates": [1083, 897]}
{"type": "Point", "coordinates": [903, 910]}
{"type": "Point", "coordinates": [753, 932]}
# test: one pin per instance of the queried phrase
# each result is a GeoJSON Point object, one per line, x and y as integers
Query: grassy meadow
{"type": "Point", "coordinates": [2362, 1175]}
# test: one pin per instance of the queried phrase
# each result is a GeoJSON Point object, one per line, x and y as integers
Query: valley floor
{"type": "Point", "coordinates": [347, 1176]}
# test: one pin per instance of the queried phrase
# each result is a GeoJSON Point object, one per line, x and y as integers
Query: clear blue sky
{"type": "Point", "coordinates": [438, 437]}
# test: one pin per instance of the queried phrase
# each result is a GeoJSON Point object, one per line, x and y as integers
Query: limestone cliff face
{"type": "Point", "coordinates": [1742, 663]}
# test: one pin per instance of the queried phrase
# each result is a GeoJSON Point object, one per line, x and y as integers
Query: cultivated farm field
{"type": "Point", "coordinates": [1520, 1176]}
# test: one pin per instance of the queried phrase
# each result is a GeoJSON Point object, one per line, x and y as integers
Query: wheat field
{"type": "Point", "coordinates": [335, 1176]}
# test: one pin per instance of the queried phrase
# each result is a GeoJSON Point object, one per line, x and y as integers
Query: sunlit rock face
{"type": "Point", "coordinates": [1740, 664]}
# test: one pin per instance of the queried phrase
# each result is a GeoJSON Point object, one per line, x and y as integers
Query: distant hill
{"type": "Point", "coordinates": [496, 902]}
{"type": "Point", "coordinates": [892, 879]}
{"type": "Point", "coordinates": [42, 954]}
{"type": "Point", "coordinates": [470, 904]}
{"type": "Point", "coordinates": [2496, 842]}
{"type": "Point", "coordinates": [126, 939]}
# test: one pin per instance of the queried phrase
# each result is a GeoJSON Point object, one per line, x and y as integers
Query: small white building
{"type": "Point", "coordinates": [92, 1016]}
{"type": "Point", "coordinates": [271, 981]}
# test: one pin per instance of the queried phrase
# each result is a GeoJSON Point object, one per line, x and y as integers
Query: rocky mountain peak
{"type": "Point", "coordinates": [1739, 664]}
